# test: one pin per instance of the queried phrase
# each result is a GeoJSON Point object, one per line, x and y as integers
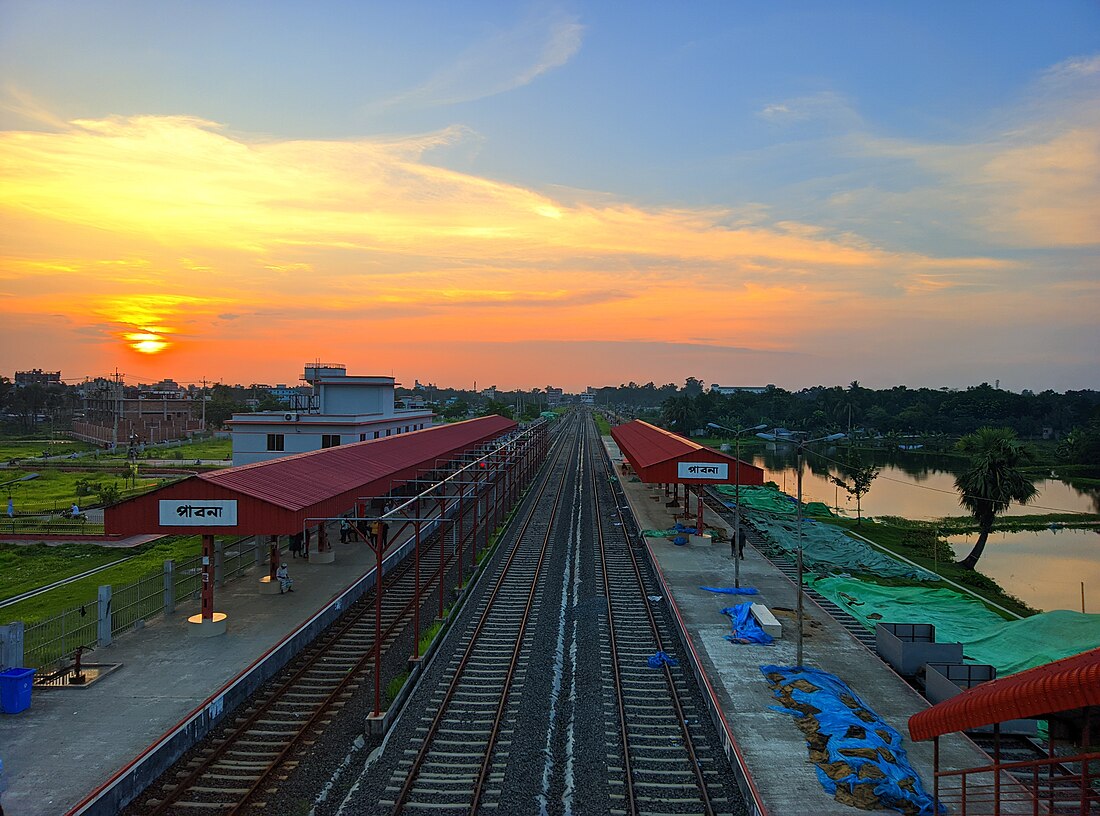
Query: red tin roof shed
{"type": "Point", "coordinates": [276, 497]}
{"type": "Point", "coordinates": [662, 457]}
{"type": "Point", "coordinates": [1064, 685]}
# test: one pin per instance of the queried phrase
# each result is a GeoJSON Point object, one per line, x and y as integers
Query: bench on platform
{"type": "Point", "coordinates": [767, 620]}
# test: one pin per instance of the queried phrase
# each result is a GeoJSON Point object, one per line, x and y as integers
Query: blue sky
{"type": "Point", "coordinates": [895, 193]}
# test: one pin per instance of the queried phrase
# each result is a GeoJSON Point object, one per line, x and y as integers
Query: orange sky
{"type": "Point", "coordinates": [177, 246]}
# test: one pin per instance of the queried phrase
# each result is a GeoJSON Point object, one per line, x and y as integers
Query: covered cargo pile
{"type": "Point", "coordinates": [858, 755]}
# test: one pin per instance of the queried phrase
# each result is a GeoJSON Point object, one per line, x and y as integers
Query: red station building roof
{"type": "Point", "coordinates": [1064, 685]}
{"type": "Point", "coordinates": [276, 497]}
{"type": "Point", "coordinates": [662, 457]}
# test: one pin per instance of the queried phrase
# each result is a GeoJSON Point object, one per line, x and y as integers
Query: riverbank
{"type": "Point", "coordinates": [922, 544]}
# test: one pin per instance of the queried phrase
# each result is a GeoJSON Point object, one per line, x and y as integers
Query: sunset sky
{"type": "Point", "coordinates": [570, 194]}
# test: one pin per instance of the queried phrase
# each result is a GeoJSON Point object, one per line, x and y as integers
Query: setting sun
{"type": "Point", "coordinates": [147, 343]}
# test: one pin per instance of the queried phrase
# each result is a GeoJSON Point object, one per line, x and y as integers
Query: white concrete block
{"type": "Point", "coordinates": [767, 620]}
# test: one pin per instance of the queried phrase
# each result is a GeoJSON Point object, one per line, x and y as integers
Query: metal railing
{"type": "Point", "coordinates": [54, 639]}
{"type": "Point", "coordinates": [1027, 787]}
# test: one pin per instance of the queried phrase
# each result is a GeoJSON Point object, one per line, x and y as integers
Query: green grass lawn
{"type": "Point", "coordinates": [23, 568]}
{"type": "Point", "coordinates": [55, 489]}
{"type": "Point", "coordinates": [602, 424]}
{"type": "Point", "coordinates": [24, 449]}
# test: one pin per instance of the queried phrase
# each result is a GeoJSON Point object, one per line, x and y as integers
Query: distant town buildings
{"type": "Point", "coordinates": [553, 396]}
{"type": "Point", "coordinates": [726, 390]}
{"type": "Point", "coordinates": [340, 409]}
{"type": "Point", "coordinates": [36, 376]}
{"type": "Point", "coordinates": [116, 414]}
{"type": "Point", "coordinates": [589, 396]}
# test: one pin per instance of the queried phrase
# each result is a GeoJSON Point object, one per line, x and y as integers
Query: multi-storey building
{"type": "Point", "coordinates": [341, 409]}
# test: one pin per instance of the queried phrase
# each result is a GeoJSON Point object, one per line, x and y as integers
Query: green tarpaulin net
{"type": "Point", "coordinates": [1010, 646]}
{"type": "Point", "coordinates": [827, 549]}
{"type": "Point", "coordinates": [772, 500]}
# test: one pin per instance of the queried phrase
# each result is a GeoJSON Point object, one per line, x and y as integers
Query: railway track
{"type": "Point", "coordinates": [239, 768]}
{"type": "Point", "coordinates": [669, 764]}
{"type": "Point", "coordinates": [464, 743]}
{"type": "Point", "coordinates": [545, 701]}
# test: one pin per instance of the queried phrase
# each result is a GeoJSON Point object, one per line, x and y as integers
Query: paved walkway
{"type": "Point", "coordinates": [773, 747]}
{"type": "Point", "coordinates": [71, 740]}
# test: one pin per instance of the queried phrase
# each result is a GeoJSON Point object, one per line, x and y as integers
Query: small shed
{"type": "Point", "coordinates": [662, 457]}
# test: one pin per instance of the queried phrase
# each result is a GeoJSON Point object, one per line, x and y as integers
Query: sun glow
{"type": "Point", "coordinates": [147, 343]}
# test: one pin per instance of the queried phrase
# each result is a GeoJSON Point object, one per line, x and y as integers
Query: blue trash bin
{"type": "Point", "coordinates": [15, 690]}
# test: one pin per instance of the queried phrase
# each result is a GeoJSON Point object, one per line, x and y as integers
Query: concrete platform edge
{"type": "Point", "coordinates": [753, 800]}
{"type": "Point", "coordinates": [130, 781]}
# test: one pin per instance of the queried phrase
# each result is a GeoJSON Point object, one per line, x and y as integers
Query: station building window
{"type": "Point", "coordinates": [388, 430]}
{"type": "Point", "coordinates": [377, 434]}
{"type": "Point", "coordinates": [275, 442]}
{"type": "Point", "coordinates": [362, 437]}
{"type": "Point", "coordinates": [330, 440]}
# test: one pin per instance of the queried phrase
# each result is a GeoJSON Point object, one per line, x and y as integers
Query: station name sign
{"type": "Point", "coordinates": [198, 513]}
{"type": "Point", "coordinates": [720, 471]}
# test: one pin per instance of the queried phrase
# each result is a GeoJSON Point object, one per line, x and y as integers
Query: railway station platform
{"type": "Point", "coordinates": [773, 749]}
{"type": "Point", "coordinates": [72, 740]}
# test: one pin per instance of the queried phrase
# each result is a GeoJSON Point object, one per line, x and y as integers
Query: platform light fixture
{"type": "Point", "coordinates": [801, 443]}
{"type": "Point", "coordinates": [735, 543]}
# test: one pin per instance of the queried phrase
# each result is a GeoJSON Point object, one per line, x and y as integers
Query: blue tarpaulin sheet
{"type": "Point", "coordinates": [732, 590]}
{"type": "Point", "coordinates": [660, 658]}
{"type": "Point", "coordinates": [866, 763]}
{"type": "Point", "coordinates": [745, 627]}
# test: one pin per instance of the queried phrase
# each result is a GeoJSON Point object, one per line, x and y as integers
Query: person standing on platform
{"type": "Point", "coordinates": [286, 583]}
{"type": "Point", "coordinates": [295, 545]}
{"type": "Point", "coordinates": [741, 539]}
{"type": "Point", "coordinates": [345, 528]}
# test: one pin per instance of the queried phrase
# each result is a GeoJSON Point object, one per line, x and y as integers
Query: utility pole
{"type": "Point", "coordinates": [204, 405]}
{"type": "Point", "coordinates": [117, 408]}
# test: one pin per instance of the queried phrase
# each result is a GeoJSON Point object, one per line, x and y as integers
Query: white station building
{"type": "Point", "coordinates": [341, 410]}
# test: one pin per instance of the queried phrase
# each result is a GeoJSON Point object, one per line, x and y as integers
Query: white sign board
{"type": "Point", "coordinates": [719, 471]}
{"type": "Point", "coordinates": [198, 513]}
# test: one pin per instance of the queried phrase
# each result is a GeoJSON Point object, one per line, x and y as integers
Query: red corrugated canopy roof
{"type": "Point", "coordinates": [280, 493]}
{"type": "Point", "coordinates": [1064, 685]}
{"type": "Point", "coordinates": [298, 481]}
{"type": "Point", "coordinates": [647, 446]}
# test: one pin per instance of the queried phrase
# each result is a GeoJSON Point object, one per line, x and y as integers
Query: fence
{"type": "Point", "coordinates": [119, 610]}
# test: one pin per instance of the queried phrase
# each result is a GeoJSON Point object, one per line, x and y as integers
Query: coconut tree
{"type": "Point", "coordinates": [992, 481]}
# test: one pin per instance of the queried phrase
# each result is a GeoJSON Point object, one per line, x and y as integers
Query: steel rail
{"type": "Point", "coordinates": [628, 775]}
{"type": "Point", "coordinates": [346, 625]}
{"type": "Point", "coordinates": [674, 696]}
{"type": "Point", "coordinates": [456, 679]}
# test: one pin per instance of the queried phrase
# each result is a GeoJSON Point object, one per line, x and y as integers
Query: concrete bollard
{"type": "Point", "coordinates": [103, 625]}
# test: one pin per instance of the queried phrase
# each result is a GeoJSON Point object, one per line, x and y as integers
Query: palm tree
{"type": "Point", "coordinates": [993, 480]}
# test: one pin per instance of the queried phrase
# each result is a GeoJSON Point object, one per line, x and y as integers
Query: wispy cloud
{"type": "Point", "coordinates": [501, 62]}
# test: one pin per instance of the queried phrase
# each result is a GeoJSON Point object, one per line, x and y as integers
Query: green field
{"type": "Point", "coordinates": [23, 568]}
{"type": "Point", "coordinates": [54, 490]}
{"type": "Point", "coordinates": [34, 448]}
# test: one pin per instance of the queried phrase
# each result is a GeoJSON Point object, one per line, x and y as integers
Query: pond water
{"type": "Point", "coordinates": [910, 485]}
{"type": "Point", "coordinates": [1044, 569]}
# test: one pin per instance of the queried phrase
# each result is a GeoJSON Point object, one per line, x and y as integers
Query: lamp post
{"type": "Point", "coordinates": [736, 542]}
{"type": "Point", "coordinates": [802, 443]}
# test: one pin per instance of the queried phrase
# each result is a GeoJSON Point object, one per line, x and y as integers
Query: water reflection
{"type": "Point", "coordinates": [916, 486]}
{"type": "Point", "coordinates": [1045, 569]}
